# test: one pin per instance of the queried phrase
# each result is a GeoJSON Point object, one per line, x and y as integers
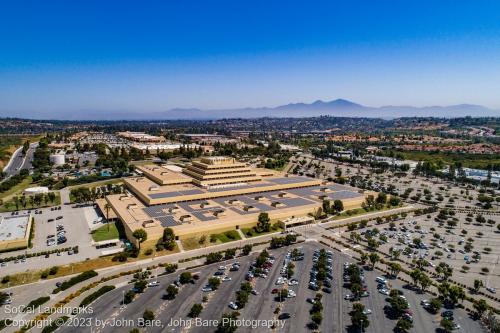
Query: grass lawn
{"type": "Point", "coordinates": [224, 237]}
{"type": "Point", "coordinates": [360, 211]}
{"type": "Point", "coordinates": [9, 206]}
{"type": "Point", "coordinates": [15, 189]}
{"type": "Point", "coordinates": [102, 233]}
{"type": "Point", "coordinates": [213, 239]}
{"type": "Point", "coordinates": [250, 232]}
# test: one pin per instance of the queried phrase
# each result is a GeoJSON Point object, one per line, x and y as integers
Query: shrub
{"type": "Point", "coordinates": [36, 302]}
{"type": "Point", "coordinates": [92, 297]}
{"type": "Point", "coordinates": [170, 268]}
{"type": "Point", "coordinates": [129, 297]}
{"type": "Point", "coordinates": [77, 279]}
{"type": "Point", "coordinates": [54, 325]}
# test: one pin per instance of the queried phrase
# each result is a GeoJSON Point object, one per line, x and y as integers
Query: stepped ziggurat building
{"type": "Point", "coordinates": [216, 194]}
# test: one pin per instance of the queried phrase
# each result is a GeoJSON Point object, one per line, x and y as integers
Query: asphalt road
{"type": "Point", "coordinates": [18, 161]}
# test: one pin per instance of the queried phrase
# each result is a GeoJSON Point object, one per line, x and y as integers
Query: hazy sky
{"type": "Point", "coordinates": [69, 56]}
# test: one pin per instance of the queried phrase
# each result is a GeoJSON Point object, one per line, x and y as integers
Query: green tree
{"type": "Point", "coordinates": [171, 291]}
{"type": "Point", "coordinates": [141, 236]}
{"type": "Point", "coordinates": [394, 268]}
{"type": "Point", "coordinates": [214, 282]}
{"type": "Point", "coordinates": [477, 285]}
{"type": "Point", "coordinates": [435, 305]}
{"type": "Point", "coordinates": [404, 325]}
{"type": "Point", "coordinates": [447, 325]}
{"type": "Point", "coordinates": [185, 277]}
{"type": "Point", "coordinates": [247, 249]}
{"type": "Point", "coordinates": [374, 258]}
{"type": "Point", "coordinates": [480, 306]}
{"type": "Point", "coordinates": [263, 224]}
{"type": "Point", "coordinates": [107, 207]}
{"type": "Point", "coordinates": [195, 310]}
{"type": "Point", "coordinates": [338, 205]}
{"type": "Point", "coordinates": [148, 316]}
{"type": "Point", "coordinates": [359, 320]}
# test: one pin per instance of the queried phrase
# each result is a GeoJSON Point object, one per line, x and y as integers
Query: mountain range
{"type": "Point", "coordinates": [337, 108]}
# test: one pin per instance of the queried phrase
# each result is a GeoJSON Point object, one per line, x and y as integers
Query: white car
{"type": "Point", "coordinates": [367, 311]}
{"type": "Point", "coordinates": [384, 292]}
{"type": "Point", "coordinates": [233, 306]}
{"type": "Point", "coordinates": [491, 290]}
{"type": "Point", "coordinates": [280, 281]}
{"type": "Point", "coordinates": [153, 284]}
{"type": "Point", "coordinates": [207, 289]}
{"type": "Point", "coordinates": [291, 293]}
{"type": "Point", "coordinates": [226, 278]}
{"type": "Point", "coordinates": [293, 282]}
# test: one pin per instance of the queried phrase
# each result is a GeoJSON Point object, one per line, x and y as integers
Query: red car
{"type": "Point", "coordinates": [274, 291]}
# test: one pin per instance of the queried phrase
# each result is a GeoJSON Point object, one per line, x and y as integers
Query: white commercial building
{"type": "Point", "coordinates": [58, 159]}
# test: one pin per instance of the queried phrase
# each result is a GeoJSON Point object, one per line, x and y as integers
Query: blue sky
{"type": "Point", "coordinates": [72, 56]}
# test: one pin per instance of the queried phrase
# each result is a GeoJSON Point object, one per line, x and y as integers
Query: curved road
{"type": "Point", "coordinates": [18, 161]}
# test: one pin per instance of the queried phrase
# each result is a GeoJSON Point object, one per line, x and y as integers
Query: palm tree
{"type": "Point", "coordinates": [16, 201]}
{"type": "Point", "coordinates": [107, 207]}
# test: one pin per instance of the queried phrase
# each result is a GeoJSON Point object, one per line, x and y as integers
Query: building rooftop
{"type": "Point", "coordinates": [152, 193]}
{"type": "Point", "coordinates": [14, 227]}
{"type": "Point", "coordinates": [162, 175]}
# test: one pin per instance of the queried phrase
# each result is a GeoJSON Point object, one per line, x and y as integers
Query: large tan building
{"type": "Point", "coordinates": [218, 193]}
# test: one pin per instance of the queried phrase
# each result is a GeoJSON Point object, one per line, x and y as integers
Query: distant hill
{"type": "Point", "coordinates": [338, 108]}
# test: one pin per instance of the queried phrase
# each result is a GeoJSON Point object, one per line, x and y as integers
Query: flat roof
{"type": "Point", "coordinates": [204, 210]}
{"type": "Point", "coordinates": [14, 227]}
{"type": "Point", "coordinates": [101, 203]}
{"type": "Point", "coordinates": [209, 213]}
{"type": "Point", "coordinates": [153, 193]}
{"type": "Point", "coordinates": [163, 175]}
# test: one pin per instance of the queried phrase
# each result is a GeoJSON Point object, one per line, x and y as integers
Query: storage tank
{"type": "Point", "coordinates": [57, 159]}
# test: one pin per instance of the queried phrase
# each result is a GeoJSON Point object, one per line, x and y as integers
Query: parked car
{"type": "Point", "coordinates": [284, 315]}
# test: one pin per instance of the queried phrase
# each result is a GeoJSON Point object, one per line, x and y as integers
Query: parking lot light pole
{"type": "Point", "coordinates": [123, 300]}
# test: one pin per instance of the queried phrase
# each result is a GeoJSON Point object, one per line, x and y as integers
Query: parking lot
{"type": "Point", "coordinates": [442, 243]}
{"type": "Point", "coordinates": [74, 222]}
{"type": "Point", "coordinates": [173, 314]}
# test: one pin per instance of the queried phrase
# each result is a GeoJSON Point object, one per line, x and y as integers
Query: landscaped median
{"type": "Point", "coordinates": [74, 280]}
{"type": "Point", "coordinates": [92, 297]}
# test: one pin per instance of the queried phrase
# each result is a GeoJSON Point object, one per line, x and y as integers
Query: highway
{"type": "Point", "coordinates": [18, 161]}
